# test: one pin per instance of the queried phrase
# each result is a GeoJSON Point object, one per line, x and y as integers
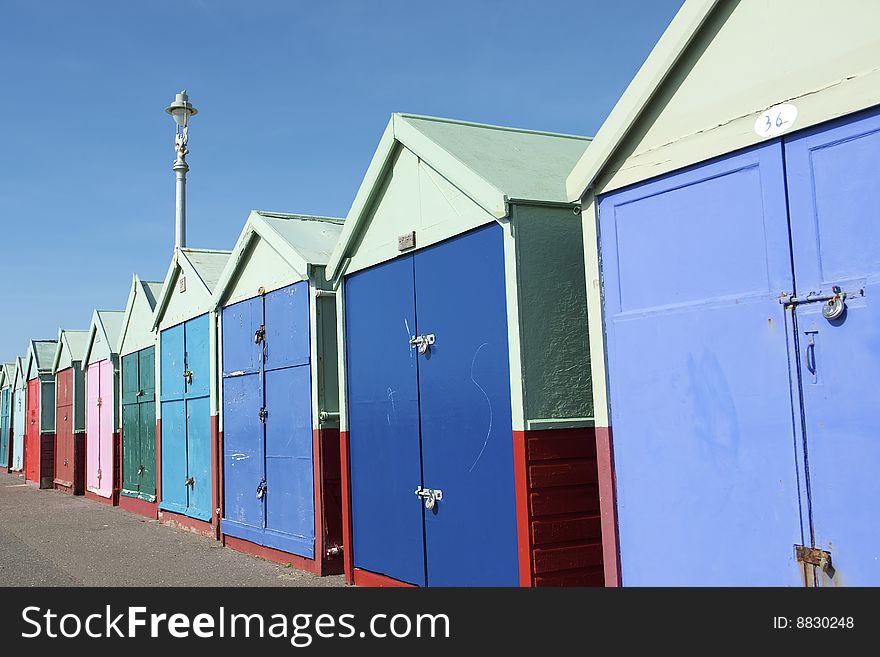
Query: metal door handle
{"type": "Point", "coordinates": [430, 495]}
{"type": "Point", "coordinates": [422, 342]}
{"type": "Point", "coordinates": [810, 356]}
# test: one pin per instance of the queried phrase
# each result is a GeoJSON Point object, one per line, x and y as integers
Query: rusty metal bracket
{"type": "Point", "coordinates": [813, 556]}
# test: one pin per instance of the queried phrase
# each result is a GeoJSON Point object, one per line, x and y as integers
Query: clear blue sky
{"type": "Point", "coordinates": [86, 187]}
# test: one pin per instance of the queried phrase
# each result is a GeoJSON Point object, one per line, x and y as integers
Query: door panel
{"type": "Point", "coordinates": [387, 521]}
{"type": "Point", "coordinates": [174, 474]}
{"type": "Point", "coordinates": [243, 458]}
{"type": "Point", "coordinates": [198, 357]}
{"type": "Point", "coordinates": [464, 392]}
{"type": "Point", "coordinates": [704, 447]}
{"type": "Point", "coordinates": [106, 430]}
{"type": "Point", "coordinates": [130, 379]}
{"type": "Point", "coordinates": [4, 428]}
{"type": "Point", "coordinates": [833, 171]}
{"type": "Point", "coordinates": [172, 356]}
{"type": "Point", "coordinates": [32, 449]}
{"type": "Point", "coordinates": [198, 452]}
{"type": "Point", "coordinates": [241, 353]}
{"type": "Point", "coordinates": [147, 435]}
{"type": "Point", "coordinates": [131, 447]}
{"type": "Point", "coordinates": [147, 373]}
{"type": "Point", "coordinates": [64, 427]}
{"type": "Point", "coordinates": [290, 498]}
{"type": "Point", "coordinates": [287, 326]}
{"type": "Point", "coordinates": [19, 413]}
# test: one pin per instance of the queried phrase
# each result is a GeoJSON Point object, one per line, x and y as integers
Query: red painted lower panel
{"type": "Point", "coordinates": [366, 578]}
{"type": "Point", "coordinates": [185, 522]}
{"type": "Point", "coordinates": [47, 460]}
{"type": "Point", "coordinates": [140, 507]}
{"type": "Point", "coordinates": [3, 469]}
{"type": "Point", "coordinates": [608, 505]}
{"type": "Point", "coordinates": [277, 556]}
{"type": "Point", "coordinates": [78, 485]}
{"type": "Point", "coordinates": [345, 478]}
{"type": "Point", "coordinates": [558, 518]}
{"type": "Point", "coordinates": [98, 498]}
{"type": "Point", "coordinates": [215, 475]}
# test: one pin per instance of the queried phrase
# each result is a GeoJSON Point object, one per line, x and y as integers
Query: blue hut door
{"type": "Point", "coordinates": [290, 493]}
{"type": "Point", "coordinates": [704, 446]}
{"type": "Point", "coordinates": [466, 425]}
{"type": "Point", "coordinates": [268, 465]}
{"type": "Point", "coordinates": [439, 420]}
{"type": "Point", "coordinates": [174, 486]}
{"type": "Point", "coordinates": [385, 457]}
{"type": "Point", "coordinates": [243, 426]}
{"type": "Point", "coordinates": [833, 173]}
{"type": "Point", "coordinates": [186, 419]}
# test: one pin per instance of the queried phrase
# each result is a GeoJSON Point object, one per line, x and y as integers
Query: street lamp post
{"type": "Point", "coordinates": [181, 110]}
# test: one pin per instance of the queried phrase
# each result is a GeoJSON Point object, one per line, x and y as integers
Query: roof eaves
{"type": "Point", "coordinates": [638, 95]}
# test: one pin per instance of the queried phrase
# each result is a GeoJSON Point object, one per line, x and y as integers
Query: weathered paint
{"type": "Point", "coordinates": [32, 446]}
{"type": "Point", "coordinates": [137, 422]}
{"type": "Point", "coordinates": [139, 425]}
{"type": "Point", "coordinates": [411, 185]}
{"type": "Point", "coordinates": [271, 282]}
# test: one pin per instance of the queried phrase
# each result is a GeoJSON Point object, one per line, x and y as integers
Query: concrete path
{"type": "Point", "coordinates": [48, 538]}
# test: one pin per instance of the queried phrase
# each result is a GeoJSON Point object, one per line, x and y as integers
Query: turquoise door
{"type": "Point", "coordinates": [186, 419]}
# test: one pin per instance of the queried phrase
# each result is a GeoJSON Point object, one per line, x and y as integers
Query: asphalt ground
{"type": "Point", "coordinates": [48, 538]}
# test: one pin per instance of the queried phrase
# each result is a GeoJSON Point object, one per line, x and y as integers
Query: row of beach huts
{"type": "Point", "coordinates": [526, 358]}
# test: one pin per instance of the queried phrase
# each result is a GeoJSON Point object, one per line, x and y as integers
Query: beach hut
{"type": "Point", "coordinates": [733, 259]}
{"type": "Point", "coordinates": [281, 495]}
{"type": "Point", "coordinates": [19, 412]}
{"type": "Point", "coordinates": [7, 374]}
{"type": "Point", "coordinates": [187, 426]}
{"type": "Point", "coordinates": [468, 452]}
{"type": "Point", "coordinates": [136, 347]}
{"type": "Point", "coordinates": [70, 436]}
{"type": "Point", "coordinates": [39, 461]}
{"type": "Point", "coordinates": [100, 367]}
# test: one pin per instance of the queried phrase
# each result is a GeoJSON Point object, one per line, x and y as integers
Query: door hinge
{"type": "Point", "coordinates": [263, 414]}
{"type": "Point", "coordinates": [813, 556]}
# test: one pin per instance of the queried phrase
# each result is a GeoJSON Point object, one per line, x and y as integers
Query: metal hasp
{"type": "Point", "coordinates": [813, 556]}
{"type": "Point", "coordinates": [181, 110]}
{"type": "Point", "coordinates": [260, 334]}
{"type": "Point", "coordinates": [422, 342]}
{"type": "Point", "coordinates": [430, 495]}
{"type": "Point", "coordinates": [261, 489]}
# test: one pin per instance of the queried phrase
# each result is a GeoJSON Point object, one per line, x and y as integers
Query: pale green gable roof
{"type": "Point", "coordinates": [301, 240]}
{"type": "Point", "coordinates": [521, 164]}
{"type": "Point", "coordinates": [490, 164]}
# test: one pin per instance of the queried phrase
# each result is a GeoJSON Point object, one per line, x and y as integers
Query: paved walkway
{"type": "Point", "coordinates": [48, 538]}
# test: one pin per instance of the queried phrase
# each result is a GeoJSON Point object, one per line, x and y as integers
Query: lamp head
{"type": "Point", "coordinates": [181, 109]}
